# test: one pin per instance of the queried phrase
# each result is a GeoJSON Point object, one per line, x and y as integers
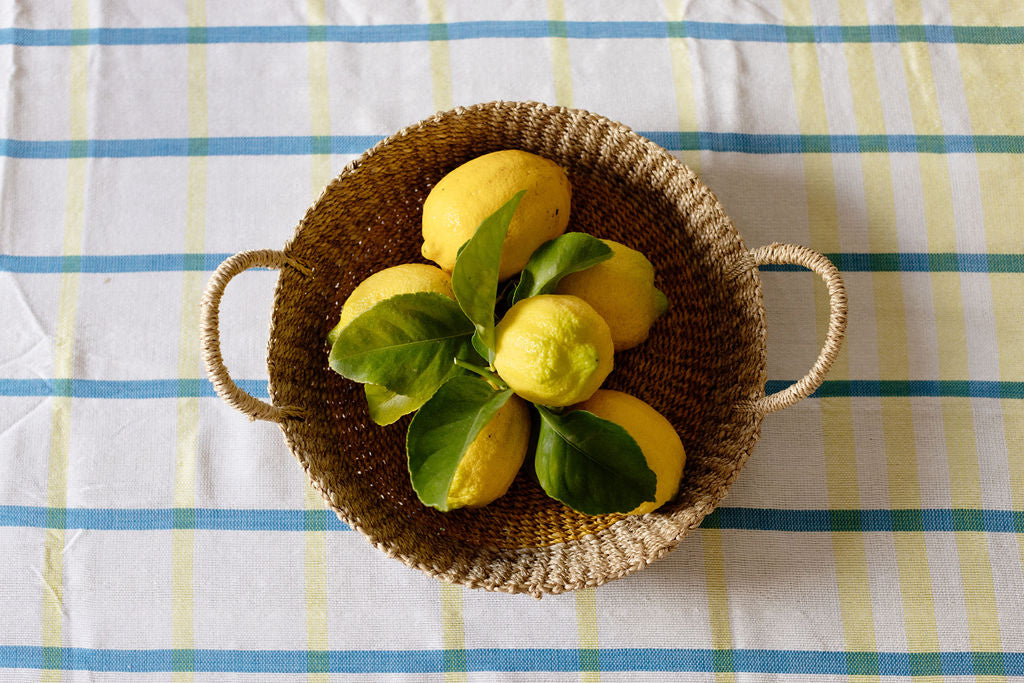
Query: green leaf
{"type": "Point", "coordinates": [386, 406]}
{"type": "Point", "coordinates": [332, 336]}
{"type": "Point", "coordinates": [443, 429]}
{"type": "Point", "coordinates": [475, 275]}
{"type": "Point", "coordinates": [553, 260]}
{"type": "Point", "coordinates": [407, 343]}
{"type": "Point", "coordinates": [481, 348]}
{"type": "Point", "coordinates": [591, 464]}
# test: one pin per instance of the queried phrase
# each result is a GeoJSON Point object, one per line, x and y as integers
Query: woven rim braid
{"type": "Point", "coordinates": [702, 367]}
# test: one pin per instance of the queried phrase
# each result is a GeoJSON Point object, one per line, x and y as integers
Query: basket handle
{"type": "Point", "coordinates": [209, 332]}
{"type": "Point", "coordinates": [794, 254]}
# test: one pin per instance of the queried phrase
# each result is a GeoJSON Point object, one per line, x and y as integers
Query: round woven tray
{"type": "Point", "coordinates": [703, 366]}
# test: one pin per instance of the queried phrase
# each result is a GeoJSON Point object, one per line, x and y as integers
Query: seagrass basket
{"type": "Point", "coordinates": [703, 366]}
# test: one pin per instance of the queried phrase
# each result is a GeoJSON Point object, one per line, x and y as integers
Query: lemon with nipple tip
{"type": "Point", "coordinates": [622, 290]}
{"type": "Point", "coordinates": [553, 350]}
{"type": "Point", "coordinates": [493, 459]}
{"type": "Point", "coordinates": [463, 198]}
{"type": "Point", "coordinates": [655, 435]}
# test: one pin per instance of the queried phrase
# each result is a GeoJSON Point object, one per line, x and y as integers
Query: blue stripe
{"type": "Point", "coordinates": [745, 519]}
{"type": "Point", "coordinates": [469, 30]}
{"type": "Point", "coordinates": [886, 521]}
{"type": "Point", "coordinates": [912, 388]}
{"type": "Point", "coordinates": [792, 143]}
{"type": "Point", "coordinates": [745, 143]}
{"type": "Point", "coordinates": [847, 262]}
{"type": "Point", "coordinates": [114, 263]}
{"type": "Point", "coordinates": [928, 262]}
{"type": "Point", "coordinates": [811, 662]}
{"type": "Point", "coordinates": [127, 389]}
{"type": "Point", "coordinates": [201, 388]}
{"type": "Point", "coordinates": [182, 147]}
{"type": "Point", "coordinates": [162, 519]}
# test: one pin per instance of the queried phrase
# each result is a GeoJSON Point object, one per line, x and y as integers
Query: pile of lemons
{"type": "Point", "coordinates": [553, 349]}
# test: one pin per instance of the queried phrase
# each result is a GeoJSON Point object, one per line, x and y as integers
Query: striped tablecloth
{"type": "Point", "coordinates": [148, 532]}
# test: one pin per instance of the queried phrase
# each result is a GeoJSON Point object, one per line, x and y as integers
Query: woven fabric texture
{"type": "Point", "coordinates": [874, 529]}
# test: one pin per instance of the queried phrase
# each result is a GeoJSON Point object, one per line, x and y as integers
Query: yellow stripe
{"type": "Point", "coordinates": [586, 624]}
{"type": "Point", "coordinates": [440, 64]}
{"type": "Point", "coordinates": [957, 415]}
{"type": "Point", "coordinates": [973, 13]}
{"type": "Point", "coordinates": [1007, 293]}
{"type": "Point", "coordinates": [453, 634]}
{"type": "Point", "coordinates": [182, 616]}
{"type": "Point", "coordinates": [316, 592]}
{"type": "Point", "coordinates": [560, 56]}
{"type": "Point", "coordinates": [452, 629]}
{"type": "Point", "coordinates": [718, 597]}
{"type": "Point", "coordinates": [1002, 201]}
{"type": "Point", "coordinates": [316, 542]}
{"type": "Point", "coordinates": [893, 353]}
{"type": "Point", "coordinates": [319, 102]}
{"type": "Point", "coordinates": [841, 469]}
{"type": "Point", "coordinates": [682, 79]}
{"type": "Point", "coordinates": [52, 617]}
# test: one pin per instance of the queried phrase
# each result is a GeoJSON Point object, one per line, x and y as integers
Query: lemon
{"type": "Point", "coordinates": [622, 290]}
{"type": "Point", "coordinates": [492, 460]}
{"type": "Point", "coordinates": [408, 278]}
{"type": "Point", "coordinates": [652, 432]}
{"type": "Point", "coordinates": [553, 350]}
{"type": "Point", "coordinates": [476, 189]}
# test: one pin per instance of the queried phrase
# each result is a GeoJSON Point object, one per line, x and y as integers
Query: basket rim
{"type": "Point", "coordinates": [669, 529]}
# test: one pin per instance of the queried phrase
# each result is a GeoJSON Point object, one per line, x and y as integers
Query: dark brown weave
{"type": "Point", "coordinates": [702, 367]}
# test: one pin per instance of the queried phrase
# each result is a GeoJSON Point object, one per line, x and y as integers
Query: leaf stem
{"type": "Point", "coordinates": [492, 377]}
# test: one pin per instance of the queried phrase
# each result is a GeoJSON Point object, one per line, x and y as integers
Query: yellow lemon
{"type": "Point", "coordinates": [491, 462]}
{"type": "Point", "coordinates": [553, 350]}
{"type": "Point", "coordinates": [466, 196]}
{"type": "Point", "coordinates": [408, 278]}
{"type": "Point", "coordinates": [622, 290]}
{"type": "Point", "coordinates": [652, 432]}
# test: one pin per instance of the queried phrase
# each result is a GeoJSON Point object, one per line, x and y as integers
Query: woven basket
{"type": "Point", "coordinates": [703, 366]}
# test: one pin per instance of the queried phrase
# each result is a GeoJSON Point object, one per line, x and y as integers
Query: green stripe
{"type": "Point", "coordinates": [540, 661]}
{"type": "Point", "coordinates": [744, 143]}
{"type": "Point", "coordinates": [537, 29]}
{"type": "Point", "coordinates": [201, 388]}
{"type": "Point", "coordinates": [862, 663]}
{"type": "Point", "coordinates": [845, 261]}
{"type": "Point", "coordinates": [902, 520]}
{"type": "Point", "coordinates": [941, 262]}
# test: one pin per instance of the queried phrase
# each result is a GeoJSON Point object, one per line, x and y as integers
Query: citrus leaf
{"type": "Point", "coordinates": [407, 343]}
{"type": "Point", "coordinates": [475, 275]}
{"type": "Point", "coordinates": [553, 260]}
{"type": "Point", "coordinates": [387, 406]}
{"type": "Point", "coordinates": [481, 348]}
{"type": "Point", "coordinates": [591, 464]}
{"type": "Point", "coordinates": [332, 336]}
{"type": "Point", "coordinates": [443, 429]}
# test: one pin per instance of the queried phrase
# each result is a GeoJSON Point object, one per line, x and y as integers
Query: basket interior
{"type": "Point", "coordinates": [702, 357]}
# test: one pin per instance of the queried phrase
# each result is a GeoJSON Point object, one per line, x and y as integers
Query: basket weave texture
{"type": "Point", "coordinates": [701, 367]}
